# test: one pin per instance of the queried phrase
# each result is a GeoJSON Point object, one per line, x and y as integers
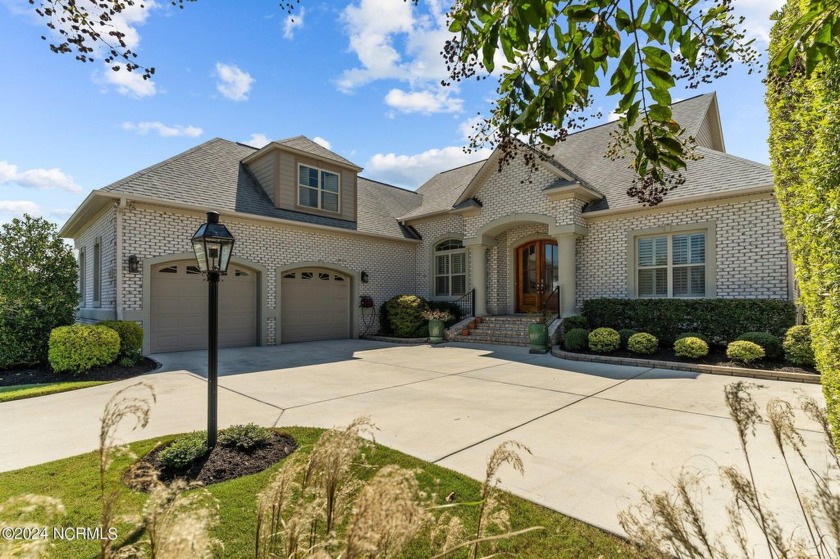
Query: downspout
{"type": "Point", "coordinates": [119, 258]}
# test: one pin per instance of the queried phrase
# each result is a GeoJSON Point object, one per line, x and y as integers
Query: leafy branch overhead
{"type": "Point", "coordinates": [551, 56]}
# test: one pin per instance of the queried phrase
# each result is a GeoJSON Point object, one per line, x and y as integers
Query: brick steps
{"type": "Point", "coordinates": [501, 330]}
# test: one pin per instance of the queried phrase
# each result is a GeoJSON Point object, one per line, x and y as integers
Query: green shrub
{"type": "Point", "coordinates": [625, 334]}
{"type": "Point", "coordinates": [183, 451]}
{"type": "Point", "coordinates": [604, 340]}
{"type": "Point", "coordinates": [245, 437]}
{"type": "Point", "coordinates": [131, 337]}
{"type": "Point", "coordinates": [80, 347]}
{"type": "Point", "coordinates": [643, 343]}
{"type": "Point", "coordinates": [38, 289]}
{"type": "Point", "coordinates": [691, 347]}
{"type": "Point", "coordinates": [771, 345]}
{"type": "Point", "coordinates": [572, 322]}
{"type": "Point", "coordinates": [576, 339]}
{"type": "Point", "coordinates": [744, 351]}
{"type": "Point", "coordinates": [697, 335]}
{"type": "Point", "coordinates": [797, 346]}
{"type": "Point", "coordinates": [450, 307]}
{"type": "Point", "coordinates": [720, 319]}
{"type": "Point", "coordinates": [405, 315]}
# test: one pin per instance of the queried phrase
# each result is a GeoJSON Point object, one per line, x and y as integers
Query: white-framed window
{"type": "Point", "coordinates": [671, 265]}
{"type": "Point", "coordinates": [82, 277]}
{"type": "Point", "coordinates": [450, 268]}
{"type": "Point", "coordinates": [318, 188]}
{"type": "Point", "coordinates": [97, 273]}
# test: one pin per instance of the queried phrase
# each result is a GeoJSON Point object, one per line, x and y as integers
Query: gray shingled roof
{"type": "Point", "coordinates": [211, 175]}
{"type": "Point", "coordinates": [303, 143]}
{"type": "Point", "coordinates": [442, 190]}
{"type": "Point", "coordinates": [582, 156]}
{"type": "Point", "coordinates": [379, 206]}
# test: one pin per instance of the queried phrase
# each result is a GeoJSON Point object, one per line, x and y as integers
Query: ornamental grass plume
{"type": "Point", "coordinates": [28, 513]}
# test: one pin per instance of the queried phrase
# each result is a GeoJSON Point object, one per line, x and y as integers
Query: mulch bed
{"type": "Point", "coordinates": [717, 356]}
{"type": "Point", "coordinates": [43, 374]}
{"type": "Point", "coordinates": [222, 464]}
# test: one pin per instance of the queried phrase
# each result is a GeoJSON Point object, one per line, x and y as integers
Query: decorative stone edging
{"type": "Point", "coordinates": [389, 339]}
{"type": "Point", "coordinates": [691, 367]}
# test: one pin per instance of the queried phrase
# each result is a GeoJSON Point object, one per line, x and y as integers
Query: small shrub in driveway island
{"type": "Point", "coordinates": [576, 339]}
{"type": "Point", "coordinates": [604, 340]}
{"type": "Point", "coordinates": [80, 347]}
{"type": "Point", "coordinates": [744, 351]}
{"type": "Point", "coordinates": [245, 437]}
{"type": "Point", "coordinates": [771, 345]}
{"type": "Point", "coordinates": [183, 451]}
{"type": "Point", "coordinates": [691, 347]}
{"type": "Point", "coordinates": [797, 345]}
{"type": "Point", "coordinates": [643, 343]}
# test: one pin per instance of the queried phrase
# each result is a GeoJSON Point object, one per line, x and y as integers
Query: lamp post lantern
{"type": "Point", "coordinates": [213, 245]}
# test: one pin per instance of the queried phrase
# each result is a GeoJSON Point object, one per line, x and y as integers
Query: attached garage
{"type": "Point", "coordinates": [315, 305]}
{"type": "Point", "coordinates": [178, 320]}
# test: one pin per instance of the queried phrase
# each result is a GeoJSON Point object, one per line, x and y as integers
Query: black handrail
{"type": "Point", "coordinates": [556, 306]}
{"type": "Point", "coordinates": [467, 304]}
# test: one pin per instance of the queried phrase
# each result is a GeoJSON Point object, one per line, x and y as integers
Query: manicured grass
{"type": "Point", "coordinates": [75, 482]}
{"type": "Point", "coordinates": [18, 392]}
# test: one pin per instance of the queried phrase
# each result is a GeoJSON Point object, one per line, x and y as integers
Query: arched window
{"type": "Point", "coordinates": [450, 268]}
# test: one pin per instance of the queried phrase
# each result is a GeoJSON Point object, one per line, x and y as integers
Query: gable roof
{"type": "Point", "coordinates": [304, 145]}
{"type": "Point", "coordinates": [581, 157]}
{"type": "Point", "coordinates": [212, 174]}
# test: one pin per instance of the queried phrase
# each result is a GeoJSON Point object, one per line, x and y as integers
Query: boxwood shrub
{"type": "Point", "coordinates": [183, 451]}
{"type": "Point", "coordinates": [131, 336]}
{"type": "Point", "coordinates": [721, 320]}
{"type": "Point", "coordinates": [572, 322]}
{"type": "Point", "coordinates": [576, 339]}
{"type": "Point", "coordinates": [771, 345]}
{"type": "Point", "coordinates": [80, 347]}
{"type": "Point", "coordinates": [604, 340]}
{"type": "Point", "coordinates": [744, 351]}
{"type": "Point", "coordinates": [643, 343]}
{"type": "Point", "coordinates": [245, 437]}
{"type": "Point", "coordinates": [697, 335]}
{"type": "Point", "coordinates": [625, 334]}
{"type": "Point", "coordinates": [797, 346]}
{"type": "Point", "coordinates": [404, 316]}
{"type": "Point", "coordinates": [691, 347]}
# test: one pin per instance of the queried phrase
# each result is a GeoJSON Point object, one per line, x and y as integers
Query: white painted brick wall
{"type": "Point", "coordinates": [103, 226]}
{"type": "Point", "coordinates": [433, 231]}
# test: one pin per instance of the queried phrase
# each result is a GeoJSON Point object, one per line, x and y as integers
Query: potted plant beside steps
{"type": "Point", "coordinates": [538, 333]}
{"type": "Point", "coordinates": [437, 319]}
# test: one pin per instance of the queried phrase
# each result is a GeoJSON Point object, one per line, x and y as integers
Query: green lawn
{"type": "Point", "coordinates": [18, 392]}
{"type": "Point", "coordinates": [75, 481]}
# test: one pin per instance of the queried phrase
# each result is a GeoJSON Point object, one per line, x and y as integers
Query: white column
{"type": "Point", "coordinates": [566, 268]}
{"type": "Point", "coordinates": [478, 277]}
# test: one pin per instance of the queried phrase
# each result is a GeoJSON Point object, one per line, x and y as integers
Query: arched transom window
{"type": "Point", "coordinates": [450, 268]}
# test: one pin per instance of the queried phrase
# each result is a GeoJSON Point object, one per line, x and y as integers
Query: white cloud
{"type": "Point", "coordinates": [128, 83]}
{"type": "Point", "coordinates": [234, 83]}
{"type": "Point", "coordinates": [426, 102]}
{"type": "Point", "coordinates": [162, 129]}
{"type": "Point", "coordinates": [398, 41]}
{"type": "Point", "coordinates": [322, 142]}
{"type": "Point", "coordinates": [258, 140]}
{"type": "Point", "coordinates": [42, 179]}
{"type": "Point", "coordinates": [413, 170]}
{"type": "Point", "coordinates": [757, 18]}
{"type": "Point", "coordinates": [16, 208]}
{"type": "Point", "coordinates": [293, 23]}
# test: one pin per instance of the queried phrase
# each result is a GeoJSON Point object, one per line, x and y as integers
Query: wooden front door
{"type": "Point", "coordinates": [536, 274]}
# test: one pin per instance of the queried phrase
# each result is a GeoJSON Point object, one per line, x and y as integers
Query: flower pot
{"type": "Point", "coordinates": [478, 320]}
{"type": "Point", "coordinates": [538, 337]}
{"type": "Point", "coordinates": [435, 331]}
{"type": "Point", "coordinates": [471, 325]}
{"type": "Point", "coordinates": [465, 332]}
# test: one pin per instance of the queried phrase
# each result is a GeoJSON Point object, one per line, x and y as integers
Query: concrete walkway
{"type": "Point", "coordinates": [598, 433]}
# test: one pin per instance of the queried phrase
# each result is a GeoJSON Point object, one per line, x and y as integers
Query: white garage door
{"type": "Point", "coordinates": [179, 307]}
{"type": "Point", "coordinates": [315, 305]}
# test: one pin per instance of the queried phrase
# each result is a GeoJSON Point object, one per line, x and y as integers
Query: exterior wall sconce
{"type": "Point", "coordinates": [133, 264]}
{"type": "Point", "coordinates": [364, 277]}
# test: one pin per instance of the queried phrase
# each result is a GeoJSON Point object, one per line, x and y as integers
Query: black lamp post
{"type": "Point", "coordinates": [213, 245]}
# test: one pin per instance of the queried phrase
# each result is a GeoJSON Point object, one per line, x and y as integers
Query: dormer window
{"type": "Point", "coordinates": [318, 188]}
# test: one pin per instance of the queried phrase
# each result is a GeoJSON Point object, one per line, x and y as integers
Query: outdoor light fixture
{"type": "Point", "coordinates": [133, 264]}
{"type": "Point", "coordinates": [364, 277]}
{"type": "Point", "coordinates": [213, 245]}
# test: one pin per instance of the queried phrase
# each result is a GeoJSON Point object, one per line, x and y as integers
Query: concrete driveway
{"type": "Point", "coordinates": [598, 433]}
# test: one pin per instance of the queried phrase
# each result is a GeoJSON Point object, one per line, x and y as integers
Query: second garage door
{"type": "Point", "coordinates": [179, 307]}
{"type": "Point", "coordinates": [315, 305]}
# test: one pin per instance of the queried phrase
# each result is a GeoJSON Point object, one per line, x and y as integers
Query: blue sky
{"type": "Point", "coordinates": [361, 77]}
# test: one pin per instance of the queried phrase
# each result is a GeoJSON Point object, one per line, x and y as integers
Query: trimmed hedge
{"type": "Point", "coordinates": [744, 351]}
{"type": "Point", "coordinates": [131, 336]}
{"type": "Point", "coordinates": [691, 347]}
{"type": "Point", "coordinates": [576, 339]}
{"type": "Point", "coordinates": [771, 345]}
{"type": "Point", "coordinates": [643, 343]}
{"type": "Point", "coordinates": [604, 340]}
{"type": "Point", "coordinates": [80, 347]}
{"type": "Point", "coordinates": [576, 321]}
{"type": "Point", "coordinates": [402, 316]}
{"type": "Point", "coordinates": [797, 346]}
{"type": "Point", "coordinates": [721, 319]}
{"type": "Point", "coordinates": [625, 334]}
{"type": "Point", "coordinates": [697, 335]}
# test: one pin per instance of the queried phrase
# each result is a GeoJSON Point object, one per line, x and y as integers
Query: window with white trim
{"type": "Point", "coordinates": [672, 265]}
{"type": "Point", "coordinates": [450, 268]}
{"type": "Point", "coordinates": [318, 188]}
{"type": "Point", "coordinates": [97, 273]}
{"type": "Point", "coordinates": [82, 277]}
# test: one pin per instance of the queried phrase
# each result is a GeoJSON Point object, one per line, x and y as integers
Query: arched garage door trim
{"type": "Point", "coordinates": [354, 291]}
{"type": "Point", "coordinates": [262, 278]}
